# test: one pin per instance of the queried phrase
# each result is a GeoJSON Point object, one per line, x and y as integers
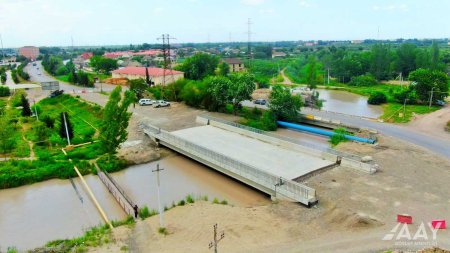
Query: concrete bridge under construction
{"type": "Point", "coordinates": [270, 163]}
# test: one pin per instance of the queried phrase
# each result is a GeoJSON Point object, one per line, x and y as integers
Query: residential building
{"type": "Point", "coordinates": [156, 74]}
{"type": "Point", "coordinates": [236, 64]}
{"type": "Point", "coordinates": [278, 54]}
{"type": "Point", "coordinates": [87, 55]}
{"type": "Point", "coordinates": [29, 52]}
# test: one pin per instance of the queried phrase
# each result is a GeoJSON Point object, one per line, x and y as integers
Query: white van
{"type": "Point", "coordinates": [146, 101]}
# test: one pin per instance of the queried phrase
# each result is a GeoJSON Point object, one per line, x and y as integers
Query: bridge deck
{"type": "Point", "coordinates": [262, 155]}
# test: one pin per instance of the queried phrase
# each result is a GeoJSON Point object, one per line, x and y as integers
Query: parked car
{"type": "Point", "coordinates": [260, 102]}
{"type": "Point", "coordinates": [55, 93]}
{"type": "Point", "coordinates": [161, 103]}
{"type": "Point", "coordinates": [146, 101]}
{"type": "Point", "coordinates": [440, 102]}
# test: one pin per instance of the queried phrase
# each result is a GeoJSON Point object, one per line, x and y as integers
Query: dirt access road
{"type": "Point", "coordinates": [433, 123]}
{"type": "Point", "coordinates": [355, 211]}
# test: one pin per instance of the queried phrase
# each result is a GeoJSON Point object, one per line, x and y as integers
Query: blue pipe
{"type": "Point", "coordinates": [322, 132]}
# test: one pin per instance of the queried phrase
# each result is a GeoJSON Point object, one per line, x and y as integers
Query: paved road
{"type": "Point", "coordinates": [37, 74]}
{"type": "Point", "coordinates": [422, 139]}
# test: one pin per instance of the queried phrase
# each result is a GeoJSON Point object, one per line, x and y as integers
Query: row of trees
{"type": "Point", "coordinates": [381, 61]}
{"type": "Point", "coordinates": [55, 66]}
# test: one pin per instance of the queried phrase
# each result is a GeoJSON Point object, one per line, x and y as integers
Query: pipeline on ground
{"type": "Point", "coordinates": [322, 132]}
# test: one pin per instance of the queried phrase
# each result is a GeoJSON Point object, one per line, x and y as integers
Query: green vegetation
{"type": "Point", "coordinates": [102, 64]}
{"type": "Point", "coordinates": [216, 201]}
{"type": "Point", "coordinates": [94, 237]}
{"type": "Point", "coordinates": [163, 231]}
{"type": "Point", "coordinates": [113, 130]}
{"type": "Point", "coordinates": [190, 199]}
{"type": "Point", "coordinates": [17, 130]}
{"type": "Point", "coordinates": [363, 80]}
{"type": "Point", "coordinates": [4, 91]}
{"type": "Point", "coordinates": [54, 65]}
{"type": "Point", "coordinates": [393, 112]}
{"type": "Point", "coordinates": [283, 105]}
{"type": "Point", "coordinates": [448, 126]}
{"type": "Point", "coordinates": [377, 98]}
{"type": "Point", "coordinates": [339, 136]}
{"type": "Point", "coordinates": [199, 66]}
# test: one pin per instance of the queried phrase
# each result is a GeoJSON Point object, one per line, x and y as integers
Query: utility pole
{"type": "Point", "coordinates": [328, 79]}
{"type": "Point", "coordinates": [35, 110]}
{"type": "Point", "coordinates": [161, 210]}
{"type": "Point", "coordinates": [67, 130]}
{"type": "Point", "coordinates": [3, 51]}
{"type": "Point", "coordinates": [404, 108]}
{"type": "Point", "coordinates": [431, 97]}
{"type": "Point", "coordinates": [216, 240]}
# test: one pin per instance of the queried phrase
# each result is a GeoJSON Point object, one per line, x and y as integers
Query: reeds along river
{"type": "Point", "coordinates": [32, 215]}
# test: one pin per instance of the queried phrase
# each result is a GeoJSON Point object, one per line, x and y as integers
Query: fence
{"type": "Point", "coordinates": [275, 184]}
{"type": "Point", "coordinates": [123, 200]}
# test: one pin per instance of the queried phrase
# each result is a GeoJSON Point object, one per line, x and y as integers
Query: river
{"type": "Point", "coordinates": [35, 214]}
{"type": "Point", "coordinates": [348, 103]}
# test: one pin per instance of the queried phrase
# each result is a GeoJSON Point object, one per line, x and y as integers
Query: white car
{"type": "Point", "coordinates": [146, 101]}
{"type": "Point", "coordinates": [161, 103]}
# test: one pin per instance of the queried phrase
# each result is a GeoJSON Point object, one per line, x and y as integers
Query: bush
{"type": "Point", "coordinates": [364, 80]}
{"type": "Point", "coordinates": [377, 98]}
{"type": "Point", "coordinates": [4, 91]}
{"type": "Point", "coordinates": [181, 202]}
{"type": "Point", "coordinates": [190, 199]}
{"type": "Point", "coordinates": [144, 213]}
{"type": "Point", "coordinates": [338, 137]}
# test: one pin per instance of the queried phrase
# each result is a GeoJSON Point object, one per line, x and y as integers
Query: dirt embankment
{"type": "Point", "coordinates": [355, 211]}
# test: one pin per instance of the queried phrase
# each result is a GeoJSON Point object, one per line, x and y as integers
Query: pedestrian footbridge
{"type": "Point", "coordinates": [264, 161]}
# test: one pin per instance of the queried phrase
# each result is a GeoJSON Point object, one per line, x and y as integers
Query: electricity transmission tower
{"type": "Point", "coordinates": [167, 64]}
{"type": "Point", "coordinates": [249, 48]}
{"type": "Point", "coordinates": [216, 240]}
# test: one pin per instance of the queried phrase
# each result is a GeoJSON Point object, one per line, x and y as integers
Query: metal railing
{"type": "Point", "coordinates": [284, 138]}
{"type": "Point", "coordinates": [123, 200]}
{"type": "Point", "coordinates": [286, 187]}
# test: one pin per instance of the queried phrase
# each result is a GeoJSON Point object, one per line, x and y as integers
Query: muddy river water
{"type": "Point", "coordinates": [348, 103]}
{"type": "Point", "coordinates": [32, 215]}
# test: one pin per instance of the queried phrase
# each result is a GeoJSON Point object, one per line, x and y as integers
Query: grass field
{"type": "Point", "coordinates": [393, 112]}
{"type": "Point", "coordinates": [50, 162]}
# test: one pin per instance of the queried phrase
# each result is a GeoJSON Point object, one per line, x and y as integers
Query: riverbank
{"type": "Point", "coordinates": [355, 211]}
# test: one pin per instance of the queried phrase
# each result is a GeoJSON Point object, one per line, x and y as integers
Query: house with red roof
{"type": "Point", "coordinates": [158, 76]}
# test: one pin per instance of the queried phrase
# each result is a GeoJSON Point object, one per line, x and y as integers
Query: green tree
{"type": "Point", "coordinates": [26, 110]}
{"type": "Point", "coordinates": [194, 93]}
{"type": "Point", "coordinates": [4, 91]}
{"type": "Point", "coordinates": [62, 126]}
{"type": "Point", "coordinates": [41, 132]}
{"type": "Point", "coordinates": [223, 69]}
{"type": "Point", "coordinates": [218, 89]}
{"type": "Point", "coordinates": [425, 80]}
{"type": "Point", "coordinates": [138, 86]}
{"type": "Point", "coordinates": [103, 64]}
{"type": "Point", "coordinates": [406, 58]}
{"type": "Point", "coordinates": [311, 72]}
{"type": "Point", "coordinates": [284, 105]}
{"type": "Point", "coordinates": [380, 61]}
{"type": "Point", "coordinates": [113, 129]}
{"type": "Point", "coordinates": [241, 88]}
{"type": "Point", "coordinates": [199, 66]}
